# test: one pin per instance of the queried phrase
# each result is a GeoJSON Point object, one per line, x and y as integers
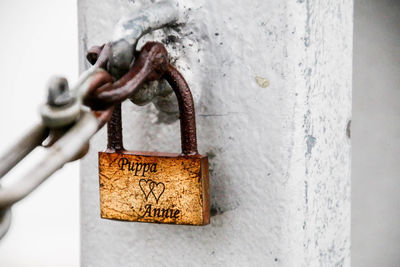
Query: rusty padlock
{"type": "Point", "coordinates": [154, 186]}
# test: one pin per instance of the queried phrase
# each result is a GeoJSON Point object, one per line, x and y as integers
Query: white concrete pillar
{"type": "Point", "coordinates": [272, 86]}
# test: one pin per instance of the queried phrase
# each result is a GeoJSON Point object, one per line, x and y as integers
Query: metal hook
{"type": "Point", "coordinates": [131, 28]}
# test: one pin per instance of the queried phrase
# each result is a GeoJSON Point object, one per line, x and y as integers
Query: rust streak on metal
{"type": "Point", "coordinates": [99, 55]}
{"type": "Point", "coordinates": [114, 130]}
{"type": "Point", "coordinates": [186, 110]}
{"type": "Point", "coordinates": [104, 56]}
{"type": "Point", "coordinates": [103, 116]}
{"type": "Point", "coordinates": [93, 53]}
{"type": "Point", "coordinates": [99, 79]}
{"type": "Point", "coordinates": [149, 66]}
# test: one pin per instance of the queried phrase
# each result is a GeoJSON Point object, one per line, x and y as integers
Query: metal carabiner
{"type": "Point", "coordinates": [52, 117]}
{"type": "Point", "coordinates": [66, 148]}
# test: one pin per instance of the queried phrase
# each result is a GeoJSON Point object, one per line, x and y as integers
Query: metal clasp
{"type": "Point", "coordinates": [131, 28]}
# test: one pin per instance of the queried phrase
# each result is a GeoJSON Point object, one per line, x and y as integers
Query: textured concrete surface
{"type": "Point", "coordinates": [272, 86]}
{"type": "Point", "coordinates": [375, 137]}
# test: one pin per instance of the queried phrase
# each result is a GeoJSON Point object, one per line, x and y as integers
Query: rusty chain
{"type": "Point", "coordinates": [69, 125]}
{"type": "Point", "coordinates": [71, 117]}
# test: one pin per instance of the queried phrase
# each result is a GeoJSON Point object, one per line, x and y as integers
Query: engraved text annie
{"type": "Point", "coordinates": [160, 212]}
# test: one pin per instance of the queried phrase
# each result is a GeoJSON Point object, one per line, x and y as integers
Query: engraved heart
{"type": "Point", "coordinates": [143, 187]}
{"type": "Point", "coordinates": [157, 189]}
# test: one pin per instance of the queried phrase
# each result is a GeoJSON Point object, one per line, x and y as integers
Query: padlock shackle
{"type": "Point", "coordinates": [186, 110]}
{"type": "Point", "coordinates": [114, 130]}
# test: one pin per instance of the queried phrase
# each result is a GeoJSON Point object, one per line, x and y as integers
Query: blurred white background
{"type": "Point", "coordinates": [38, 39]}
{"type": "Point", "coordinates": [376, 134]}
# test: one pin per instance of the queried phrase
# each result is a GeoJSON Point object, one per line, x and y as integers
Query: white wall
{"type": "Point", "coordinates": [376, 134]}
{"type": "Point", "coordinates": [38, 39]}
{"type": "Point", "coordinates": [279, 154]}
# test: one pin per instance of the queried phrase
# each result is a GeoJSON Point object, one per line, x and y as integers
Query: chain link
{"type": "Point", "coordinates": [71, 117]}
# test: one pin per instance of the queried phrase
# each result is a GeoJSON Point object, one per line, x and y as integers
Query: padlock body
{"type": "Point", "coordinates": [154, 187]}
